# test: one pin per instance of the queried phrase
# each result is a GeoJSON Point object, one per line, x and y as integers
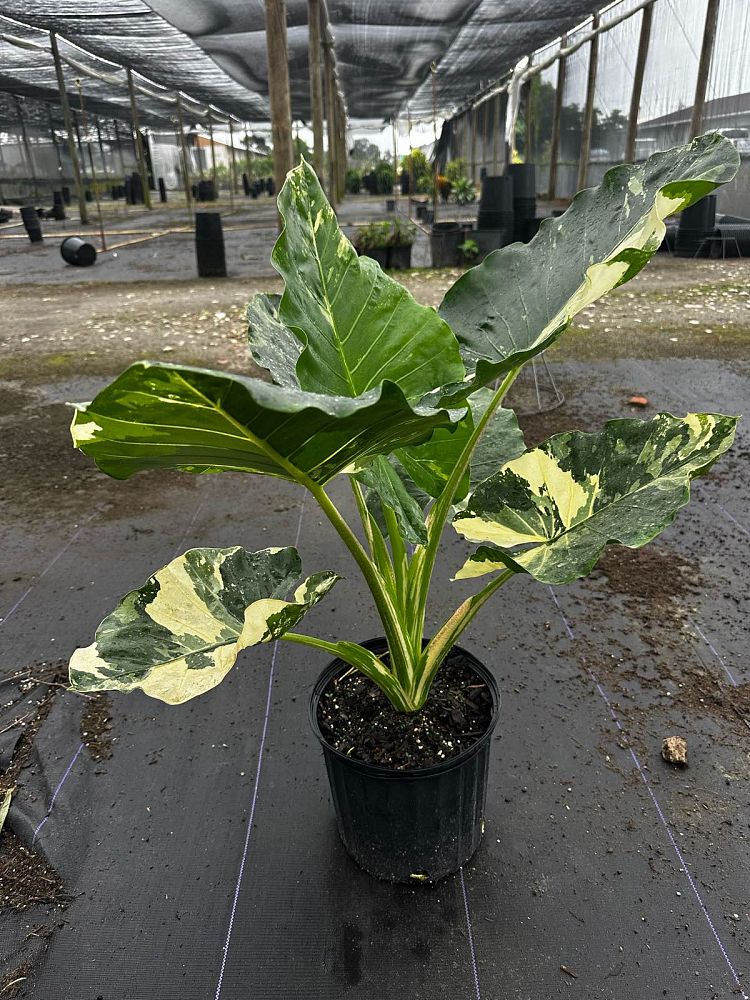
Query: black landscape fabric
{"type": "Point", "coordinates": [196, 845]}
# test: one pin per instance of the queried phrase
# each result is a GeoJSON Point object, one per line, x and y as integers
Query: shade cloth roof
{"type": "Point", "coordinates": [215, 50]}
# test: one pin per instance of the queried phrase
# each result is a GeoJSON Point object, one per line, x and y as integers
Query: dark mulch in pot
{"type": "Point", "coordinates": [357, 719]}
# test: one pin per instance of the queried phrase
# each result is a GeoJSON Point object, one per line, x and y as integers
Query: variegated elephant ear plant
{"type": "Point", "coordinates": [367, 384]}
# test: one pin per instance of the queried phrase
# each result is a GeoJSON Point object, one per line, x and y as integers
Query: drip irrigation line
{"type": "Point", "coordinates": [713, 649]}
{"type": "Point", "coordinates": [56, 792]}
{"type": "Point", "coordinates": [657, 806]}
{"type": "Point", "coordinates": [254, 796]}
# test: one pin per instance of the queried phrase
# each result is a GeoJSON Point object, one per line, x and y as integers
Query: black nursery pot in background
{"type": "Point", "coordinates": [409, 825]}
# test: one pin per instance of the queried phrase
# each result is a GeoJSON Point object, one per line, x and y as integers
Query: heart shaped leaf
{"type": "Point", "coordinates": [551, 512]}
{"type": "Point", "coordinates": [178, 417]}
{"type": "Point", "coordinates": [181, 632]}
{"type": "Point", "coordinates": [522, 298]}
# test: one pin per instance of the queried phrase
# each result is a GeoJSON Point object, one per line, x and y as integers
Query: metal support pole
{"type": "Point", "coordinates": [101, 144]}
{"type": "Point", "coordinates": [554, 146]}
{"type": "Point", "coordinates": [120, 153]}
{"type": "Point", "coordinates": [411, 162]}
{"type": "Point", "coordinates": [213, 153]}
{"type": "Point", "coordinates": [248, 166]}
{"type": "Point", "coordinates": [69, 129]}
{"type": "Point", "coordinates": [316, 83]}
{"type": "Point", "coordinates": [96, 197]}
{"type": "Point", "coordinates": [27, 147]}
{"type": "Point", "coordinates": [138, 142]}
{"type": "Point", "coordinates": [341, 152]}
{"type": "Point", "coordinates": [496, 133]}
{"type": "Point", "coordinates": [528, 121]}
{"type": "Point", "coordinates": [55, 143]}
{"type": "Point", "coordinates": [235, 189]}
{"type": "Point", "coordinates": [640, 69]}
{"type": "Point", "coordinates": [473, 118]}
{"type": "Point", "coordinates": [278, 90]}
{"type": "Point", "coordinates": [588, 114]}
{"type": "Point", "coordinates": [183, 153]}
{"type": "Point", "coordinates": [396, 185]}
{"type": "Point", "coordinates": [704, 67]}
{"type": "Point", "coordinates": [435, 186]}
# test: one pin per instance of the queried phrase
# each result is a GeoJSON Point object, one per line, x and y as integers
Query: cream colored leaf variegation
{"type": "Point", "coordinates": [551, 511]}
{"type": "Point", "coordinates": [180, 634]}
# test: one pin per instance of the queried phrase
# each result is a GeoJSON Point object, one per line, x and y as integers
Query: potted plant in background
{"type": "Point", "coordinates": [389, 242]}
{"type": "Point", "coordinates": [469, 251]}
{"type": "Point", "coordinates": [373, 240]}
{"type": "Point", "coordinates": [402, 236]}
{"type": "Point", "coordinates": [463, 191]}
{"type": "Point", "coordinates": [369, 385]}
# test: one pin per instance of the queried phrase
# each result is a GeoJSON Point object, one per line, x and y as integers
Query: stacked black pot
{"type": "Point", "coordinates": [496, 208]}
{"type": "Point", "coordinates": [209, 245]}
{"type": "Point", "coordinates": [524, 199]}
{"type": "Point", "coordinates": [696, 223]}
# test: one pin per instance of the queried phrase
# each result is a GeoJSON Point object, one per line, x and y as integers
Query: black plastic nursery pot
{"type": "Point", "coordinates": [399, 257]}
{"type": "Point", "coordinates": [417, 825]}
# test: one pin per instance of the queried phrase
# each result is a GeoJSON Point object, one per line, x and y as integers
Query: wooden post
{"type": "Point", "coordinates": [554, 145]}
{"type": "Point", "coordinates": [704, 67]}
{"type": "Point", "coordinates": [138, 142]}
{"type": "Point", "coordinates": [314, 55]}
{"type": "Point", "coordinates": [27, 147]}
{"type": "Point", "coordinates": [278, 90]}
{"type": "Point", "coordinates": [496, 133]}
{"type": "Point", "coordinates": [95, 185]}
{"type": "Point", "coordinates": [588, 114]}
{"type": "Point", "coordinates": [65, 107]}
{"type": "Point", "coordinates": [640, 69]}
{"type": "Point", "coordinates": [184, 155]}
{"type": "Point", "coordinates": [330, 124]}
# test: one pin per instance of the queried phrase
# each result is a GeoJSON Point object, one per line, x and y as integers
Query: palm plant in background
{"type": "Point", "coordinates": [369, 385]}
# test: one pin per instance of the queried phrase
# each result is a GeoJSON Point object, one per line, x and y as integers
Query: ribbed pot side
{"type": "Point", "coordinates": [414, 825]}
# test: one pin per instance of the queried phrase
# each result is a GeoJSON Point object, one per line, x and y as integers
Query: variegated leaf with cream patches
{"type": "Point", "coordinates": [179, 417]}
{"type": "Point", "coordinates": [179, 634]}
{"type": "Point", "coordinates": [551, 512]}
{"type": "Point", "coordinates": [522, 298]}
{"type": "Point", "coordinates": [357, 326]}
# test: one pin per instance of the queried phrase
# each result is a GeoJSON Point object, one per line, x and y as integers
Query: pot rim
{"type": "Point", "coordinates": [377, 770]}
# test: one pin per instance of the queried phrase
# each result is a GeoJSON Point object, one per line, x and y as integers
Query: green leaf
{"type": "Point", "coordinates": [272, 345]}
{"type": "Point", "coordinates": [179, 417]}
{"type": "Point", "coordinates": [431, 464]}
{"type": "Point", "coordinates": [181, 632]}
{"type": "Point", "coordinates": [502, 439]}
{"type": "Point", "coordinates": [382, 479]}
{"type": "Point", "coordinates": [522, 298]}
{"type": "Point", "coordinates": [551, 512]}
{"type": "Point", "coordinates": [359, 326]}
